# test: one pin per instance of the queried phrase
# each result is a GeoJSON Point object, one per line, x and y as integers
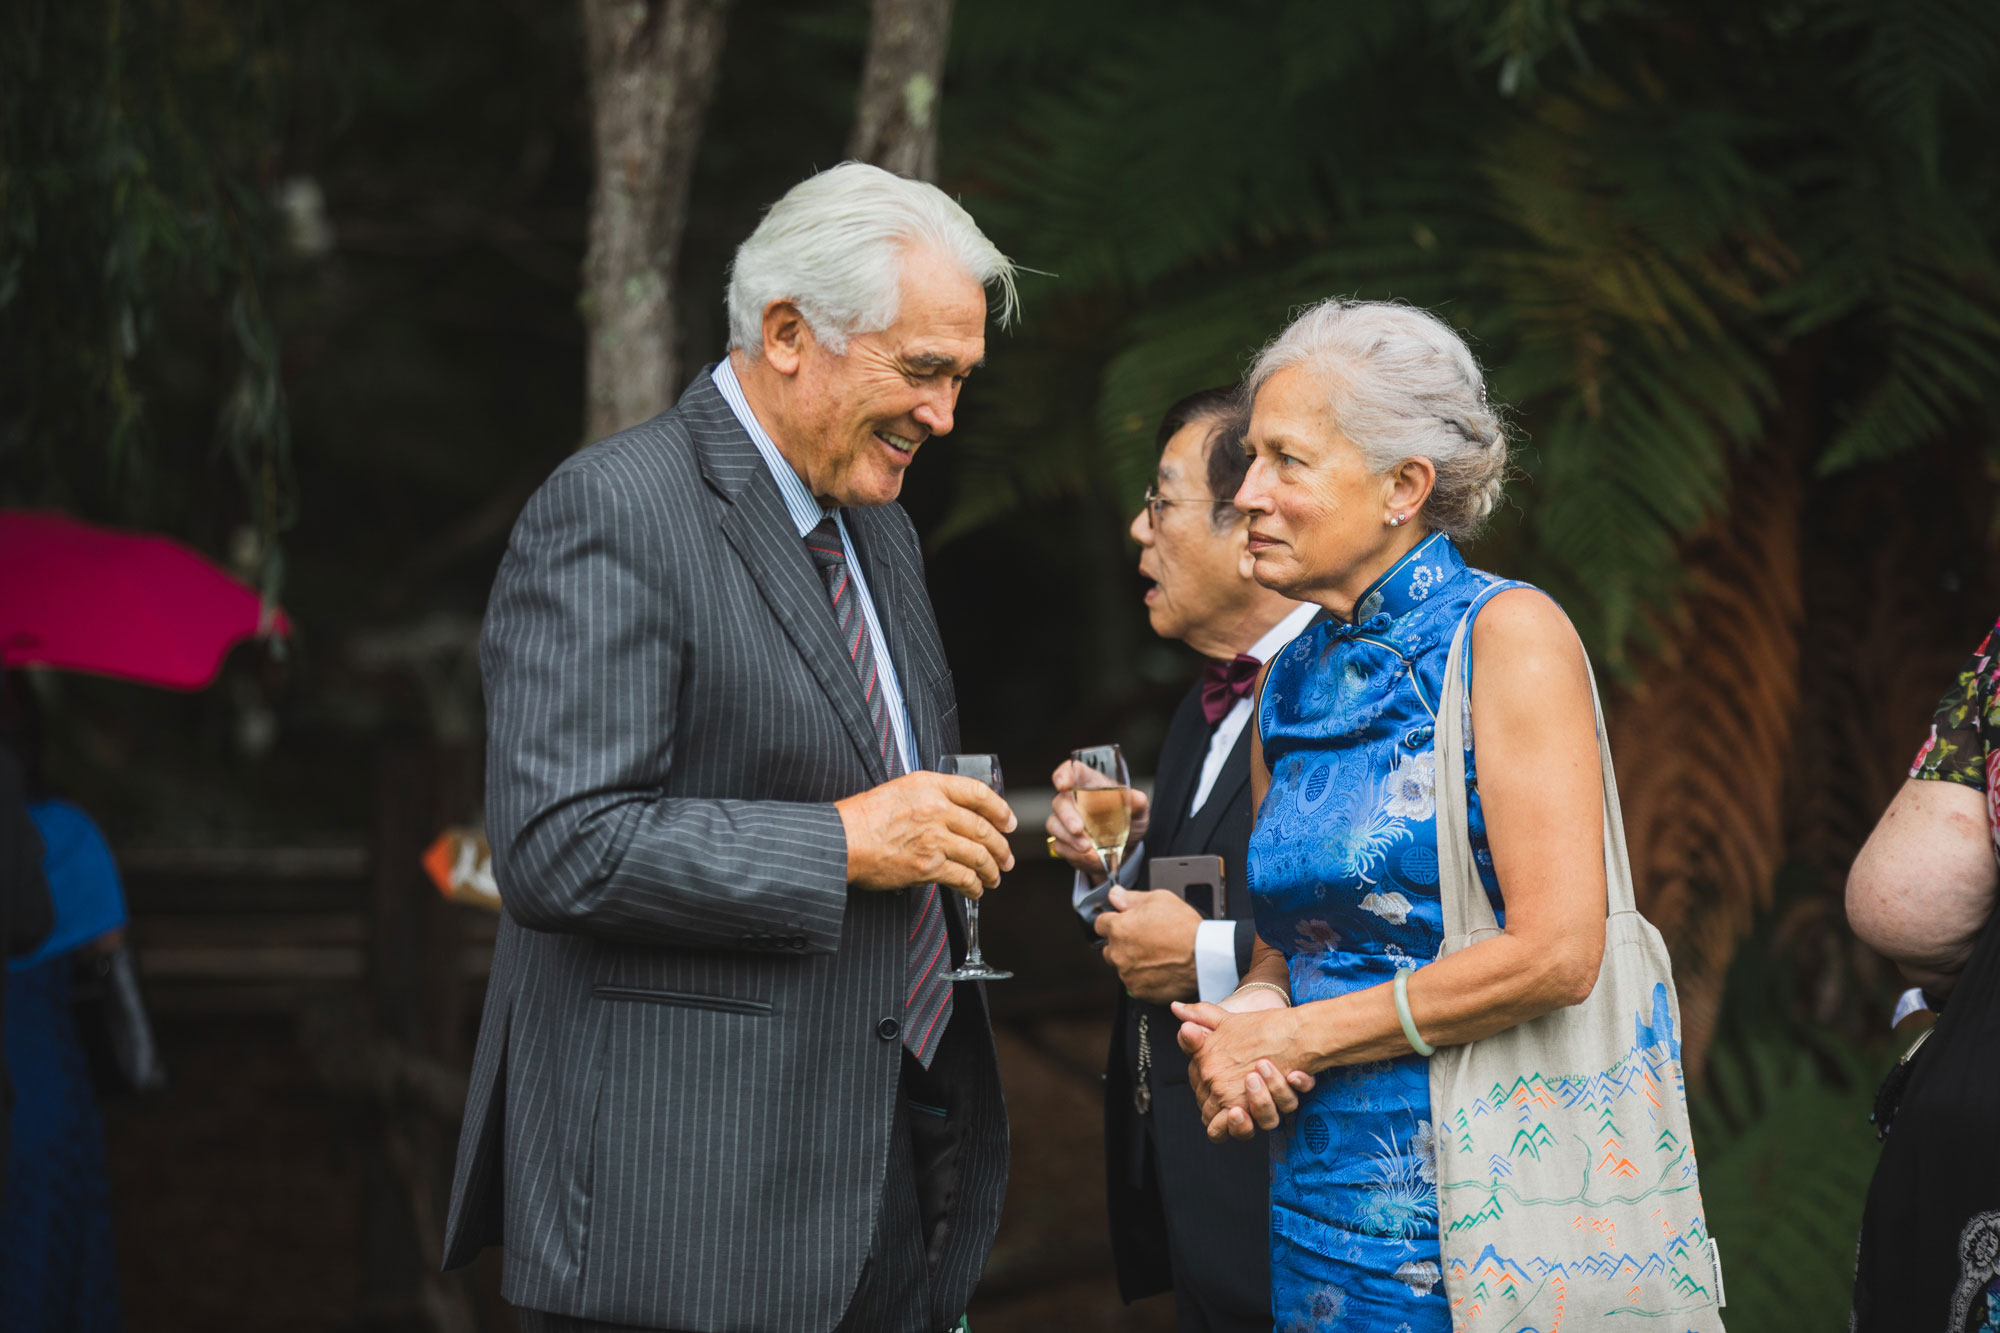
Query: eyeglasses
{"type": "Point", "coordinates": [1155, 501]}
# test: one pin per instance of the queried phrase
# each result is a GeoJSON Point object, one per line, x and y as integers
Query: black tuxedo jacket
{"type": "Point", "coordinates": [1177, 1201]}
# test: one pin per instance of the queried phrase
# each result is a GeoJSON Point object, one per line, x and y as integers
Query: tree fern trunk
{"type": "Point", "coordinates": [1889, 623]}
{"type": "Point", "coordinates": [651, 66]}
{"type": "Point", "coordinates": [1704, 739]}
{"type": "Point", "coordinates": [895, 121]}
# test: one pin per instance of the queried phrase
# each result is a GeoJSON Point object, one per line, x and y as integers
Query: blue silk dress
{"type": "Point", "coordinates": [1343, 868]}
{"type": "Point", "coordinates": [58, 1271]}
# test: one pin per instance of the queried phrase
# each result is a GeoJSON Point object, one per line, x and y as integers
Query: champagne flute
{"type": "Point", "coordinates": [1101, 786]}
{"type": "Point", "coordinates": [980, 768]}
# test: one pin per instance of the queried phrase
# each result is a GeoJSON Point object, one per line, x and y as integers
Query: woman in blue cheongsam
{"type": "Point", "coordinates": [58, 1271]}
{"type": "Point", "coordinates": [1373, 447]}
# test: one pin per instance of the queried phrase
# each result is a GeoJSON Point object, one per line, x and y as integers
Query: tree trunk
{"type": "Point", "coordinates": [1705, 739]}
{"type": "Point", "coordinates": [1889, 623]}
{"type": "Point", "coordinates": [651, 69]}
{"type": "Point", "coordinates": [895, 125]}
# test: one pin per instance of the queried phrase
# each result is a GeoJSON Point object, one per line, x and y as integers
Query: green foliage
{"type": "Point", "coordinates": [133, 242]}
{"type": "Point", "coordinates": [1786, 1154]}
{"type": "Point", "coordinates": [1655, 221]}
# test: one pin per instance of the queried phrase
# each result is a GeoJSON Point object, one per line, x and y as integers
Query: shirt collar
{"type": "Point", "coordinates": [1282, 633]}
{"type": "Point", "coordinates": [806, 511]}
{"type": "Point", "coordinates": [1428, 565]}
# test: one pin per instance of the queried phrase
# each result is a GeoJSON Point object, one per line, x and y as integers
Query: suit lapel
{"type": "Point", "coordinates": [1232, 785]}
{"type": "Point", "coordinates": [762, 533]}
{"type": "Point", "coordinates": [760, 529]}
{"type": "Point", "coordinates": [1180, 767]}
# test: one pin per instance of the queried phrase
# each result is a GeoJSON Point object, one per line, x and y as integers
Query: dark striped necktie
{"type": "Point", "coordinates": [927, 995]}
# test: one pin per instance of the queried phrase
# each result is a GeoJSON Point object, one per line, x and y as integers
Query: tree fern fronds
{"type": "Point", "coordinates": [1924, 293]}
{"type": "Point", "coordinates": [1096, 181]}
{"type": "Point", "coordinates": [1315, 55]}
{"type": "Point", "coordinates": [1911, 55]}
{"type": "Point", "coordinates": [1517, 36]}
{"type": "Point", "coordinates": [1031, 36]}
{"type": "Point", "coordinates": [1786, 1155]}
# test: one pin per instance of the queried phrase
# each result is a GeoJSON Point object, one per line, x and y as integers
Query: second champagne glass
{"type": "Point", "coordinates": [1101, 786]}
{"type": "Point", "coordinates": [980, 768]}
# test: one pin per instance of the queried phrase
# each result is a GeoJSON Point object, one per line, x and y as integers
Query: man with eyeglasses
{"type": "Point", "coordinates": [1187, 1214]}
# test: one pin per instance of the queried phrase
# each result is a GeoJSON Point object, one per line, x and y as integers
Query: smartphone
{"type": "Point", "coordinates": [1197, 879]}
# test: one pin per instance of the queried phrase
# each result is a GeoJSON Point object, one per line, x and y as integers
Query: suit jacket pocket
{"type": "Point", "coordinates": [726, 1004]}
{"type": "Point", "coordinates": [945, 697]}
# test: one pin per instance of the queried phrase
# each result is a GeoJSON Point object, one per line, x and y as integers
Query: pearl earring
{"type": "Point", "coordinates": [1396, 520]}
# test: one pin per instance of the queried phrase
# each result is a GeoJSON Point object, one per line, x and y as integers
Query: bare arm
{"type": "Point", "coordinates": [1541, 789]}
{"type": "Point", "coordinates": [1923, 886]}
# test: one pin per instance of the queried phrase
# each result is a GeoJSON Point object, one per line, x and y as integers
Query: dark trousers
{"type": "Point", "coordinates": [895, 1291]}
{"type": "Point", "coordinates": [1217, 1203]}
{"type": "Point", "coordinates": [894, 1295]}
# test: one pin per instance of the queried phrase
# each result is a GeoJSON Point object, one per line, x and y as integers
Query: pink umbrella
{"type": "Point", "coordinates": [126, 604]}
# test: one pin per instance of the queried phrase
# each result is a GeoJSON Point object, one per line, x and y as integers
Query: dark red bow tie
{"type": "Point", "coordinates": [1223, 683]}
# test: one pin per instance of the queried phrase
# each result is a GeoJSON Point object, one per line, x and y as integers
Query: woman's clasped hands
{"type": "Point", "coordinates": [1245, 1061]}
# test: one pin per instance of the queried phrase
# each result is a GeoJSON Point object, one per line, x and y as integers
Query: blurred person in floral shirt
{"type": "Point", "coordinates": [1922, 892]}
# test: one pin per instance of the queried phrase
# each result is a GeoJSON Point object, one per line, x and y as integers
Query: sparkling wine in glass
{"type": "Point", "coordinates": [1101, 786]}
{"type": "Point", "coordinates": [981, 768]}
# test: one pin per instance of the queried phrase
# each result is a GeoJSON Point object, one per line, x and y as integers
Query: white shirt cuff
{"type": "Point", "coordinates": [1090, 901]}
{"type": "Point", "coordinates": [1215, 960]}
{"type": "Point", "coordinates": [1909, 1002]}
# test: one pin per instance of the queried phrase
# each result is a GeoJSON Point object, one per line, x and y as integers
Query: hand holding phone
{"type": "Point", "coordinates": [1198, 880]}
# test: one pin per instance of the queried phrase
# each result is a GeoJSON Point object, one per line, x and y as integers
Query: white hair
{"type": "Point", "coordinates": [834, 247]}
{"type": "Point", "coordinates": [1402, 384]}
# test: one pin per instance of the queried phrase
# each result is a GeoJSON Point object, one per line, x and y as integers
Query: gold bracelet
{"type": "Point", "coordinates": [1263, 985]}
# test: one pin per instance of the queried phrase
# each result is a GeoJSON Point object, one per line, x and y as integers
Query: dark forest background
{"type": "Point", "coordinates": [300, 284]}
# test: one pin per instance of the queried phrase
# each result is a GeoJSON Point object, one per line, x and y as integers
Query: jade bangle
{"type": "Point", "coordinates": [1402, 989]}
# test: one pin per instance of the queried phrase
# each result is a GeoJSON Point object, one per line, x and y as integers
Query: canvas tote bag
{"type": "Point", "coordinates": [1567, 1194]}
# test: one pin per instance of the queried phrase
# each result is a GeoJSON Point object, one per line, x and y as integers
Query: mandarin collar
{"type": "Point", "coordinates": [1408, 583]}
{"type": "Point", "coordinates": [1296, 622]}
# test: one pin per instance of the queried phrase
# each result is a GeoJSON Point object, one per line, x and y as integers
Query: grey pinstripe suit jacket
{"type": "Point", "coordinates": [681, 1096]}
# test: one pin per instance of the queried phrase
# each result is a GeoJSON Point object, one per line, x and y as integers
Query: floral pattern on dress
{"type": "Point", "coordinates": [1975, 1306]}
{"type": "Point", "coordinates": [1343, 868]}
{"type": "Point", "coordinates": [1413, 787]}
{"type": "Point", "coordinates": [1957, 750]}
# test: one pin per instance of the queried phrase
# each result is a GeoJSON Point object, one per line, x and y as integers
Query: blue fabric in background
{"type": "Point", "coordinates": [83, 882]}
{"type": "Point", "coordinates": [57, 1264]}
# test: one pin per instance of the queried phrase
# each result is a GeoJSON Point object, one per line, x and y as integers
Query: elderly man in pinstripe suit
{"type": "Point", "coordinates": [720, 1081]}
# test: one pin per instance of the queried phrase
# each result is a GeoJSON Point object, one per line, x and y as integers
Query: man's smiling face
{"type": "Point", "coordinates": [861, 416]}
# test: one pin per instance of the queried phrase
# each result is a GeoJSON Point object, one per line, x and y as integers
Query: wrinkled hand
{"type": "Point", "coordinates": [925, 828]}
{"type": "Point", "coordinates": [1244, 1065]}
{"type": "Point", "coordinates": [1065, 825]}
{"type": "Point", "coordinates": [1149, 938]}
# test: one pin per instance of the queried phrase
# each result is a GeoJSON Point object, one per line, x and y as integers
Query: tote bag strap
{"type": "Point", "coordinates": [1467, 911]}
{"type": "Point", "coordinates": [1460, 892]}
{"type": "Point", "coordinates": [1617, 863]}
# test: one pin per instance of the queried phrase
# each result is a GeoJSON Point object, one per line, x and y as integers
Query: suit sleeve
{"type": "Point", "coordinates": [1091, 902]}
{"type": "Point", "coordinates": [1246, 944]}
{"type": "Point", "coordinates": [583, 662]}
